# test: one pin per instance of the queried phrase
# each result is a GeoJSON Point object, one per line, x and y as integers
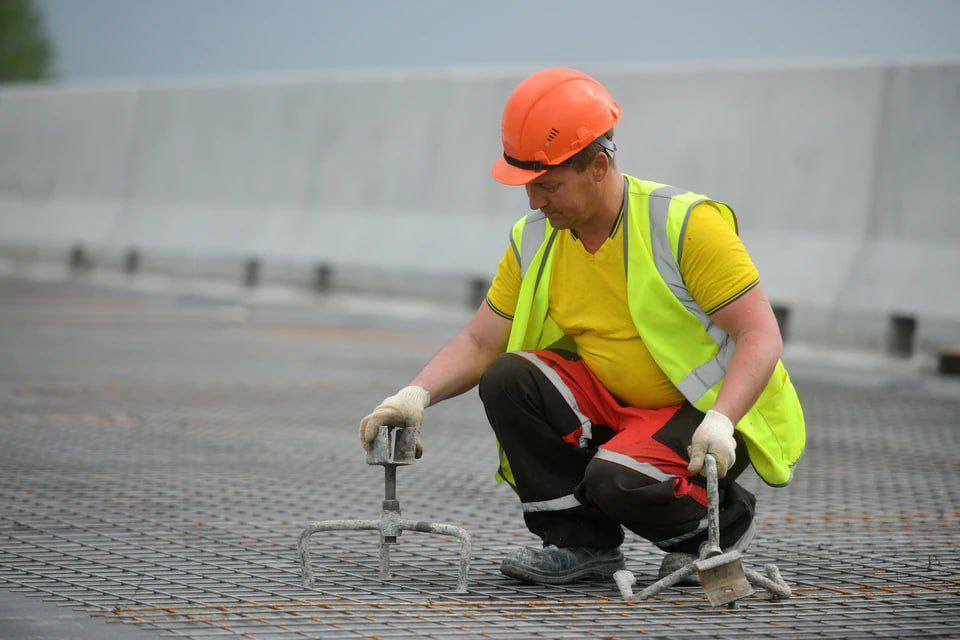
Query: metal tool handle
{"type": "Point", "coordinates": [393, 446]}
{"type": "Point", "coordinates": [712, 546]}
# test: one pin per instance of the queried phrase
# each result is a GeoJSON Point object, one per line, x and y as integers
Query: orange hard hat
{"type": "Point", "coordinates": [548, 118]}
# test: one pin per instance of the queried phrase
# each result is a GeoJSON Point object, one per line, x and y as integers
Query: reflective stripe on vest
{"type": "Point", "coordinates": [705, 376]}
{"type": "Point", "coordinates": [532, 239]}
{"type": "Point", "coordinates": [533, 232]}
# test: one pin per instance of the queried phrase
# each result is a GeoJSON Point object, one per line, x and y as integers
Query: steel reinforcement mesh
{"type": "Point", "coordinates": [160, 455]}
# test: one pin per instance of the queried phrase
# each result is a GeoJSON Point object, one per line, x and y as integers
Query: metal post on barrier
{"type": "Point", "coordinates": [900, 335]}
{"type": "Point", "coordinates": [948, 362]}
{"type": "Point", "coordinates": [131, 262]}
{"type": "Point", "coordinates": [478, 291]}
{"type": "Point", "coordinates": [782, 314]}
{"type": "Point", "coordinates": [80, 260]}
{"type": "Point", "coordinates": [322, 278]}
{"type": "Point", "coordinates": [251, 272]}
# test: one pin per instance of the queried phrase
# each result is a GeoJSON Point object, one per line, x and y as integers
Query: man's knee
{"type": "Point", "coordinates": [615, 489]}
{"type": "Point", "coordinates": [650, 508]}
{"type": "Point", "coordinates": [502, 376]}
{"type": "Point", "coordinates": [645, 505]}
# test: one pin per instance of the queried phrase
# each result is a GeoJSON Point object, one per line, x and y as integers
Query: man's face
{"type": "Point", "coordinates": [565, 197]}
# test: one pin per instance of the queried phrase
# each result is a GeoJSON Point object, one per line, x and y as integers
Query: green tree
{"type": "Point", "coordinates": [25, 52]}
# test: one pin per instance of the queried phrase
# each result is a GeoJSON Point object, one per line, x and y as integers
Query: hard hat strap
{"type": "Point", "coordinates": [534, 165]}
{"type": "Point", "coordinates": [608, 146]}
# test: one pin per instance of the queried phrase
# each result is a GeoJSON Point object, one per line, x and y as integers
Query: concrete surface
{"type": "Point", "coordinates": [162, 449]}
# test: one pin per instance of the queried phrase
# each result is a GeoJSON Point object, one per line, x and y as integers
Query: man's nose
{"type": "Point", "coordinates": [537, 201]}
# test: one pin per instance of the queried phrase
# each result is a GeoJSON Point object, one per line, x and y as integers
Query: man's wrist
{"type": "Point", "coordinates": [720, 419]}
{"type": "Point", "coordinates": [726, 411]}
{"type": "Point", "coordinates": [417, 394]}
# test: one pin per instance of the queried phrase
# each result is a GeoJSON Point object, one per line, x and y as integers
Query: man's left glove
{"type": "Point", "coordinates": [713, 436]}
{"type": "Point", "coordinates": [404, 409]}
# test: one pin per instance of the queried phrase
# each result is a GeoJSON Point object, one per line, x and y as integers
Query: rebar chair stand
{"type": "Point", "coordinates": [392, 448]}
{"type": "Point", "coordinates": [722, 575]}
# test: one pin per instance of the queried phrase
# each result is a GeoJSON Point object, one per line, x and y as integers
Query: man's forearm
{"type": "Point", "coordinates": [455, 369]}
{"type": "Point", "coordinates": [755, 356]}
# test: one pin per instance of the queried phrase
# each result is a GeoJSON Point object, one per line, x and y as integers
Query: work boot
{"type": "Point", "coordinates": [561, 565]}
{"type": "Point", "coordinates": [673, 561]}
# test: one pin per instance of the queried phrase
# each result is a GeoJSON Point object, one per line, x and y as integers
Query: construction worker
{"type": "Point", "coordinates": [625, 336]}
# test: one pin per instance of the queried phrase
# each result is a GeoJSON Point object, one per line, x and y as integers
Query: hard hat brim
{"type": "Point", "coordinates": [508, 174]}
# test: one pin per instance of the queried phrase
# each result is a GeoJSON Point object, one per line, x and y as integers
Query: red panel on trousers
{"type": "Point", "coordinates": [634, 428]}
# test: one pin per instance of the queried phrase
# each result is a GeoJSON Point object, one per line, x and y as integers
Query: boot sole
{"type": "Point", "coordinates": [526, 574]}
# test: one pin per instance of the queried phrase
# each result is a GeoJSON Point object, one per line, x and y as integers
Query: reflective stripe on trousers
{"type": "Point", "coordinates": [557, 504]}
{"type": "Point", "coordinates": [587, 427]}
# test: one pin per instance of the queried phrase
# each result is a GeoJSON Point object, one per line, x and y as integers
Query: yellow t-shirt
{"type": "Point", "coordinates": [588, 300]}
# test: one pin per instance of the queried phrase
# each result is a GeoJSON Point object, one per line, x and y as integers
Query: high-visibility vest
{"type": "Point", "coordinates": [686, 344]}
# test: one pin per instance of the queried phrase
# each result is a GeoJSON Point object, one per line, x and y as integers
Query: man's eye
{"type": "Point", "coordinates": [550, 187]}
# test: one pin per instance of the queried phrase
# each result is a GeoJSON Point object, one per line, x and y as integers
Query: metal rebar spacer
{"type": "Point", "coordinates": [724, 567]}
{"type": "Point", "coordinates": [392, 447]}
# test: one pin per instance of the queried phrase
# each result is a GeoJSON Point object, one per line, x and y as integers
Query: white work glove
{"type": "Point", "coordinates": [405, 409]}
{"type": "Point", "coordinates": [713, 436]}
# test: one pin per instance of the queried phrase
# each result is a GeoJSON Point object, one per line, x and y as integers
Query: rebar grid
{"type": "Point", "coordinates": [153, 453]}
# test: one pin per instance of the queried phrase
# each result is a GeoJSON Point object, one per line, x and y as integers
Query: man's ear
{"type": "Point", "coordinates": [600, 167]}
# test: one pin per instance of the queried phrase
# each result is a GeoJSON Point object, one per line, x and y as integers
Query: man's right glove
{"type": "Point", "coordinates": [405, 409]}
{"type": "Point", "coordinates": [713, 436]}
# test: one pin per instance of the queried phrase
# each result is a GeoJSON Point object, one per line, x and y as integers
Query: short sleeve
{"type": "Point", "coordinates": [714, 263]}
{"type": "Point", "coordinates": [505, 289]}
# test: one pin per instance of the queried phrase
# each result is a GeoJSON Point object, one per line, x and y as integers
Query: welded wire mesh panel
{"type": "Point", "coordinates": [158, 459]}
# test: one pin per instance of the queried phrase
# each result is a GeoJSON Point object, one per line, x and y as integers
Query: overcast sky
{"type": "Point", "coordinates": [98, 39]}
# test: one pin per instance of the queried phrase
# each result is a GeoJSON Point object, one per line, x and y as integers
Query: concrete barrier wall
{"type": "Point", "coordinates": [844, 179]}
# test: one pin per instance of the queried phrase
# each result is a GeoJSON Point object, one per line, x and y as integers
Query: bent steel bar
{"type": "Point", "coordinates": [668, 581]}
{"type": "Point", "coordinates": [625, 581]}
{"type": "Point", "coordinates": [772, 582]}
{"type": "Point", "coordinates": [326, 525]}
{"type": "Point", "coordinates": [466, 545]}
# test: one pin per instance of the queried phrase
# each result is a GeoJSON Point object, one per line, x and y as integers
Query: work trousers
{"type": "Point", "coordinates": [584, 464]}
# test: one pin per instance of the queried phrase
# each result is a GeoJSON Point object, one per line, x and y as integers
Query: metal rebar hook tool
{"type": "Point", "coordinates": [722, 574]}
{"type": "Point", "coordinates": [392, 448]}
